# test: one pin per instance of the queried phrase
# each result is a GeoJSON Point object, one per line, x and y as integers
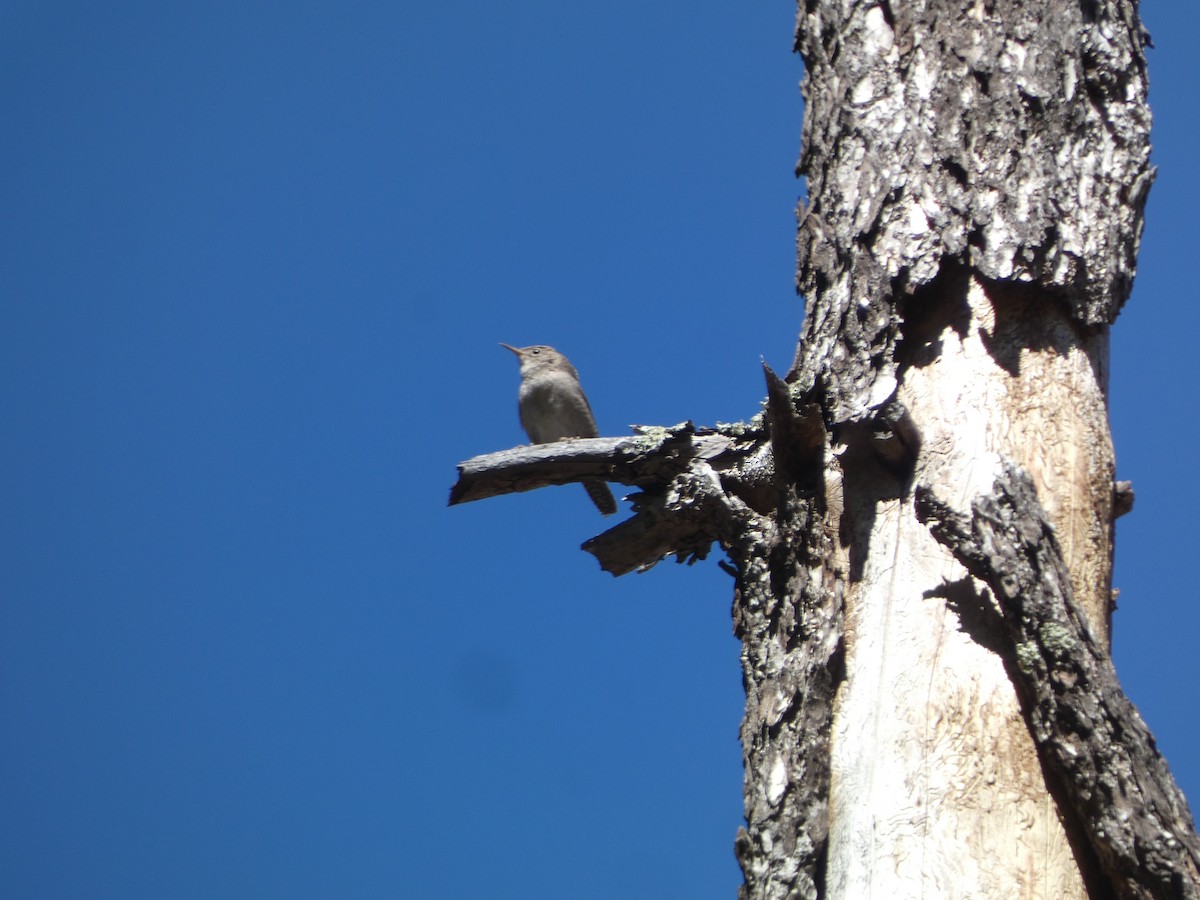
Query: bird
{"type": "Point", "coordinates": [553, 407]}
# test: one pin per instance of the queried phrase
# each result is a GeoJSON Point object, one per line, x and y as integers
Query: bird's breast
{"type": "Point", "coordinates": [553, 407]}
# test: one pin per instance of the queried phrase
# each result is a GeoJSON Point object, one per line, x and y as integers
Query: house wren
{"type": "Point", "coordinates": [553, 407]}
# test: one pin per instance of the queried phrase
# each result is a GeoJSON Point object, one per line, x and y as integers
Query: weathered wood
{"type": "Point", "coordinates": [681, 518]}
{"type": "Point", "coordinates": [1089, 734]}
{"type": "Point", "coordinates": [531, 467]}
{"type": "Point", "coordinates": [697, 484]}
{"type": "Point", "coordinates": [649, 457]}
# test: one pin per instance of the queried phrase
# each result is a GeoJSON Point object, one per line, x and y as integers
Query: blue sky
{"type": "Point", "coordinates": [254, 265]}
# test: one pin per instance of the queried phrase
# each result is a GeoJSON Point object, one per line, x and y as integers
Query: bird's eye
{"type": "Point", "coordinates": [536, 351]}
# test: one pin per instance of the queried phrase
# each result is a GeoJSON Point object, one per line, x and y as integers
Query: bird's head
{"type": "Point", "coordinates": [537, 358]}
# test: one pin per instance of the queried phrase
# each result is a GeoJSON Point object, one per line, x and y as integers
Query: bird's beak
{"type": "Point", "coordinates": [512, 348]}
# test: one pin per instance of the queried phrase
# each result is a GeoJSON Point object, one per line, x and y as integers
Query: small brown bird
{"type": "Point", "coordinates": [553, 407]}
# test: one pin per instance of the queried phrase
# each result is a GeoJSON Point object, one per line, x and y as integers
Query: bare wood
{"type": "Point", "coordinates": [1088, 732]}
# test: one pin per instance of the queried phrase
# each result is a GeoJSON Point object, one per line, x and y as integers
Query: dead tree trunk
{"type": "Point", "coordinates": [920, 524]}
{"type": "Point", "coordinates": [976, 178]}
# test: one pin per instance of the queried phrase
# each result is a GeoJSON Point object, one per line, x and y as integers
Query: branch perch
{"type": "Point", "coordinates": [694, 483]}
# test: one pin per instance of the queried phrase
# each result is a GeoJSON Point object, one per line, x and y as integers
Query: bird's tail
{"type": "Point", "coordinates": [601, 496]}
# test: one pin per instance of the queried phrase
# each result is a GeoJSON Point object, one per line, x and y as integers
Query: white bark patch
{"type": "Point", "coordinates": [918, 223]}
{"type": "Point", "coordinates": [777, 781]}
{"type": "Point", "coordinates": [882, 388]}
{"type": "Point", "coordinates": [1001, 247]}
{"type": "Point", "coordinates": [1013, 57]}
{"type": "Point", "coordinates": [922, 79]}
{"type": "Point", "coordinates": [878, 37]}
{"type": "Point", "coordinates": [1070, 78]}
{"type": "Point", "coordinates": [864, 91]}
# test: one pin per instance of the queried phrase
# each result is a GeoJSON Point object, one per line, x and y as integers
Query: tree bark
{"type": "Point", "coordinates": [976, 176]}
